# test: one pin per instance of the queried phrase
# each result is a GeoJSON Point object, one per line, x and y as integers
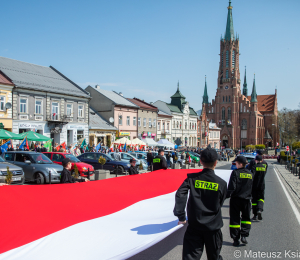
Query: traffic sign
{"type": "Point", "coordinates": [287, 148]}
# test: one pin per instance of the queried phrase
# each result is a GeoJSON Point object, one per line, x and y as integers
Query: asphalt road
{"type": "Point", "coordinates": [277, 235]}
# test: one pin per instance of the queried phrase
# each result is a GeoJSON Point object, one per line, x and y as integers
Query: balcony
{"type": "Point", "coordinates": [60, 119]}
{"type": "Point", "coordinates": [222, 122]}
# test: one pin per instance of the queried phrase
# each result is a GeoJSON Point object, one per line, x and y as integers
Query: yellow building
{"type": "Point", "coordinates": [6, 87]}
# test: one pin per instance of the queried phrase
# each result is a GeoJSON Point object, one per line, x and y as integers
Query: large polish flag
{"type": "Point", "coordinates": [108, 219]}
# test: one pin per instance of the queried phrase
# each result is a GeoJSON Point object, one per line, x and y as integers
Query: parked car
{"type": "Point", "coordinates": [111, 164]}
{"type": "Point", "coordinates": [36, 166]}
{"type": "Point", "coordinates": [83, 168]}
{"type": "Point", "coordinates": [125, 157]}
{"type": "Point", "coordinates": [193, 156]}
{"type": "Point", "coordinates": [139, 156]}
{"type": "Point", "coordinates": [249, 157]}
{"type": "Point", "coordinates": [18, 173]}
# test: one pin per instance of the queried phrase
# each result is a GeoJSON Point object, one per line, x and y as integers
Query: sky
{"type": "Point", "coordinates": [142, 48]}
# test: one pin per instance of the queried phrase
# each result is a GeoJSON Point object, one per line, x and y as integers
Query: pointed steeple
{"type": "Point", "coordinates": [205, 96]}
{"type": "Point", "coordinates": [254, 95]}
{"type": "Point", "coordinates": [229, 34]}
{"type": "Point", "coordinates": [245, 90]}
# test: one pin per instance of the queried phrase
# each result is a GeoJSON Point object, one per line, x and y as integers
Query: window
{"type": "Point", "coordinates": [2, 103]}
{"type": "Point", "coordinates": [38, 106]}
{"type": "Point", "coordinates": [154, 122]}
{"type": "Point", "coordinates": [163, 126]}
{"type": "Point", "coordinates": [150, 122]}
{"type": "Point", "coordinates": [227, 59]}
{"type": "Point", "coordinates": [168, 126]}
{"type": "Point", "coordinates": [212, 109]}
{"type": "Point", "coordinates": [190, 125]}
{"type": "Point", "coordinates": [185, 125]}
{"type": "Point", "coordinates": [23, 105]}
{"type": "Point", "coordinates": [180, 125]}
{"type": "Point", "coordinates": [120, 120]}
{"type": "Point", "coordinates": [128, 120]}
{"type": "Point", "coordinates": [173, 124]}
{"type": "Point", "coordinates": [227, 74]}
{"type": "Point", "coordinates": [55, 110]}
{"type": "Point", "coordinates": [145, 122]}
{"type": "Point", "coordinates": [80, 111]}
{"type": "Point", "coordinates": [241, 108]}
{"type": "Point", "coordinates": [223, 98]}
{"type": "Point", "coordinates": [222, 62]}
{"type": "Point", "coordinates": [177, 124]}
{"type": "Point", "coordinates": [158, 125]}
{"type": "Point", "coordinates": [223, 113]}
{"type": "Point", "coordinates": [229, 99]}
{"type": "Point", "coordinates": [226, 98]}
{"type": "Point", "coordinates": [57, 157]}
{"type": "Point", "coordinates": [233, 58]}
{"type": "Point", "coordinates": [134, 121]}
{"type": "Point", "coordinates": [139, 122]}
{"type": "Point", "coordinates": [244, 124]}
{"type": "Point", "coordinates": [69, 110]}
{"type": "Point", "coordinates": [79, 134]}
{"type": "Point", "coordinates": [229, 114]}
{"type": "Point", "coordinates": [244, 108]}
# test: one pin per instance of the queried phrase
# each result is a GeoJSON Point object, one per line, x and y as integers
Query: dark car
{"type": "Point", "coordinates": [111, 164]}
{"type": "Point", "coordinates": [36, 166]}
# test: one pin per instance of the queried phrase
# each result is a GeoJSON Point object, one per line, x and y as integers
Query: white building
{"type": "Point", "coordinates": [184, 119]}
{"type": "Point", "coordinates": [214, 135]}
{"type": "Point", "coordinates": [164, 126]}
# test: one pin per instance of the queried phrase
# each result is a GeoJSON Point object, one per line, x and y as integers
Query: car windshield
{"type": "Point", "coordinates": [249, 159]}
{"type": "Point", "coordinates": [40, 158]}
{"type": "Point", "coordinates": [1, 159]}
{"type": "Point", "coordinates": [110, 158]}
{"type": "Point", "coordinates": [72, 158]}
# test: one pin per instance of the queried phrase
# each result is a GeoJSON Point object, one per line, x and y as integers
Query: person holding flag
{"type": "Point", "coordinates": [5, 147]}
{"type": "Point", "coordinates": [98, 147]}
{"type": "Point", "coordinates": [124, 148]}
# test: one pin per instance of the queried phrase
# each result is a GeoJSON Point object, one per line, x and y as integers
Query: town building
{"type": "Point", "coordinates": [6, 87]}
{"type": "Point", "coordinates": [214, 136]}
{"type": "Point", "coordinates": [184, 118]}
{"type": "Point", "coordinates": [46, 101]}
{"type": "Point", "coordinates": [115, 109]}
{"type": "Point", "coordinates": [243, 119]}
{"type": "Point", "coordinates": [100, 131]}
{"type": "Point", "coordinates": [147, 119]}
{"type": "Point", "coordinates": [164, 123]}
{"type": "Point", "coordinates": [202, 129]}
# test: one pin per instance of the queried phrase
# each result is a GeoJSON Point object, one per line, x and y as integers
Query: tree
{"type": "Point", "coordinates": [287, 125]}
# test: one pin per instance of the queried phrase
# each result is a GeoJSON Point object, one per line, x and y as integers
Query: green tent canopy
{"type": "Point", "coordinates": [4, 134]}
{"type": "Point", "coordinates": [33, 136]}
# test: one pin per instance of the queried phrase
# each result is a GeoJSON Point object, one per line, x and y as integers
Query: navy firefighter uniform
{"type": "Point", "coordinates": [239, 191]}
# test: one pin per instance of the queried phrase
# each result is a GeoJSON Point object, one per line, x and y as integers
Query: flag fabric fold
{"type": "Point", "coordinates": [4, 147]}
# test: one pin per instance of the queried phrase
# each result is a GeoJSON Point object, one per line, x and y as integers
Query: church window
{"type": "Point", "coordinates": [227, 74]}
{"type": "Point", "coordinates": [229, 114]}
{"type": "Point", "coordinates": [223, 113]}
{"type": "Point", "coordinates": [226, 98]}
{"type": "Point", "coordinates": [233, 58]}
{"type": "Point", "coordinates": [229, 99]}
{"type": "Point", "coordinates": [241, 109]}
{"type": "Point", "coordinates": [212, 109]}
{"type": "Point", "coordinates": [244, 109]}
{"type": "Point", "coordinates": [244, 124]}
{"type": "Point", "coordinates": [227, 58]}
{"type": "Point", "coordinates": [223, 98]}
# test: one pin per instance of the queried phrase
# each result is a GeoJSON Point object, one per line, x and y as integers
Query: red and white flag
{"type": "Point", "coordinates": [112, 148]}
{"type": "Point", "coordinates": [137, 213]}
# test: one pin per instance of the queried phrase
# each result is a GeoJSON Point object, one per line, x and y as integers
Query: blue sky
{"type": "Point", "coordinates": [142, 48]}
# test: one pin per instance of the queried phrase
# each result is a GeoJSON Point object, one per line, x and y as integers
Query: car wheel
{"type": "Point", "coordinates": [119, 170]}
{"type": "Point", "coordinates": [39, 178]}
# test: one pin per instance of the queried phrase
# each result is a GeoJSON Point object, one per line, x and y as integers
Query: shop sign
{"type": "Point", "coordinates": [31, 126]}
{"type": "Point", "coordinates": [80, 127]}
{"type": "Point", "coordinates": [153, 134]}
{"type": "Point", "coordinates": [149, 133]}
{"type": "Point", "coordinates": [124, 133]}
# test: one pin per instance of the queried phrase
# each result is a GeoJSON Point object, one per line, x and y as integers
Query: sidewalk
{"type": "Point", "coordinates": [291, 180]}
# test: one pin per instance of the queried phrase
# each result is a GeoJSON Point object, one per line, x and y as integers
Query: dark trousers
{"type": "Point", "coordinates": [239, 227]}
{"type": "Point", "coordinates": [194, 241]}
{"type": "Point", "coordinates": [258, 201]}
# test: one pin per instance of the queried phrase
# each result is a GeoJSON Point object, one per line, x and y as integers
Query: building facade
{"type": "Point", "coordinates": [202, 129]}
{"type": "Point", "coordinates": [115, 109]}
{"type": "Point", "coordinates": [6, 87]}
{"type": "Point", "coordinates": [184, 119]}
{"type": "Point", "coordinates": [164, 123]}
{"type": "Point", "coordinates": [147, 119]}
{"type": "Point", "coordinates": [243, 119]}
{"type": "Point", "coordinates": [46, 101]}
{"type": "Point", "coordinates": [214, 136]}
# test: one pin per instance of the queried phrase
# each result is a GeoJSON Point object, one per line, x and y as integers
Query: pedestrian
{"type": "Point", "coordinates": [43, 149]}
{"type": "Point", "coordinates": [206, 193]}
{"type": "Point", "coordinates": [149, 158]}
{"type": "Point", "coordinates": [77, 151]}
{"type": "Point", "coordinates": [133, 170]}
{"type": "Point", "coordinates": [159, 162]}
{"type": "Point", "coordinates": [228, 157]}
{"type": "Point", "coordinates": [117, 156]}
{"type": "Point", "coordinates": [61, 149]}
{"type": "Point", "coordinates": [253, 162]}
{"type": "Point", "coordinates": [9, 148]}
{"type": "Point", "coordinates": [239, 191]}
{"type": "Point", "coordinates": [168, 156]}
{"type": "Point", "coordinates": [258, 189]}
{"type": "Point", "coordinates": [66, 176]}
{"type": "Point", "coordinates": [38, 148]}
{"type": "Point", "coordinates": [18, 148]}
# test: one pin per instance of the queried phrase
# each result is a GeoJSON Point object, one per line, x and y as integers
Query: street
{"type": "Point", "coordinates": [276, 236]}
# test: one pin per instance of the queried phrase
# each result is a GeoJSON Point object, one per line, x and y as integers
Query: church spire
{"type": "Point", "coordinates": [229, 34]}
{"type": "Point", "coordinates": [205, 96]}
{"type": "Point", "coordinates": [245, 90]}
{"type": "Point", "coordinates": [254, 95]}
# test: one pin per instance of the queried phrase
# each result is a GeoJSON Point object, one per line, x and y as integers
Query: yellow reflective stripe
{"type": "Point", "coordinates": [205, 185]}
{"type": "Point", "coordinates": [254, 204]}
{"type": "Point", "coordinates": [157, 160]}
{"type": "Point", "coordinates": [245, 176]}
{"type": "Point", "coordinates": [246, 222]}
{"type": "Point", "coordinates": [260, 169]}
{"type": "Point", "coordinates": [262, 200]}
{"type": "Point", "coordinates": [234, 226]}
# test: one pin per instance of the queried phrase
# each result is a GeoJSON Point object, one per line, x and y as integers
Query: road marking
{"type": "Point", "coordinates": [297, 214]}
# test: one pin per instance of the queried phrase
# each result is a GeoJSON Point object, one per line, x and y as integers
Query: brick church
{"type": "Point", "coordinates": [244, 119]}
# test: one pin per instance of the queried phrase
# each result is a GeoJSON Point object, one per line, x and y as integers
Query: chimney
{"type": "Point", "coordinates": [151, 103]}
{"type": "Point", "coordinates": [97, 87]}
{"type": "Point", "coordinates": [121, 94]}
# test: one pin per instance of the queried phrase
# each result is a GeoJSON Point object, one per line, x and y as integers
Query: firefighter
{"type": "Point", "coordinates": [258, 189]}
{"type": "Point", "coordinates": [207, 193]}
{"type": "Point", "coordinates": [253, 162]}
{"type": "Point", "coordinates": [159, 162]}
{"type": "Point", "coordinates": [239, 191]}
